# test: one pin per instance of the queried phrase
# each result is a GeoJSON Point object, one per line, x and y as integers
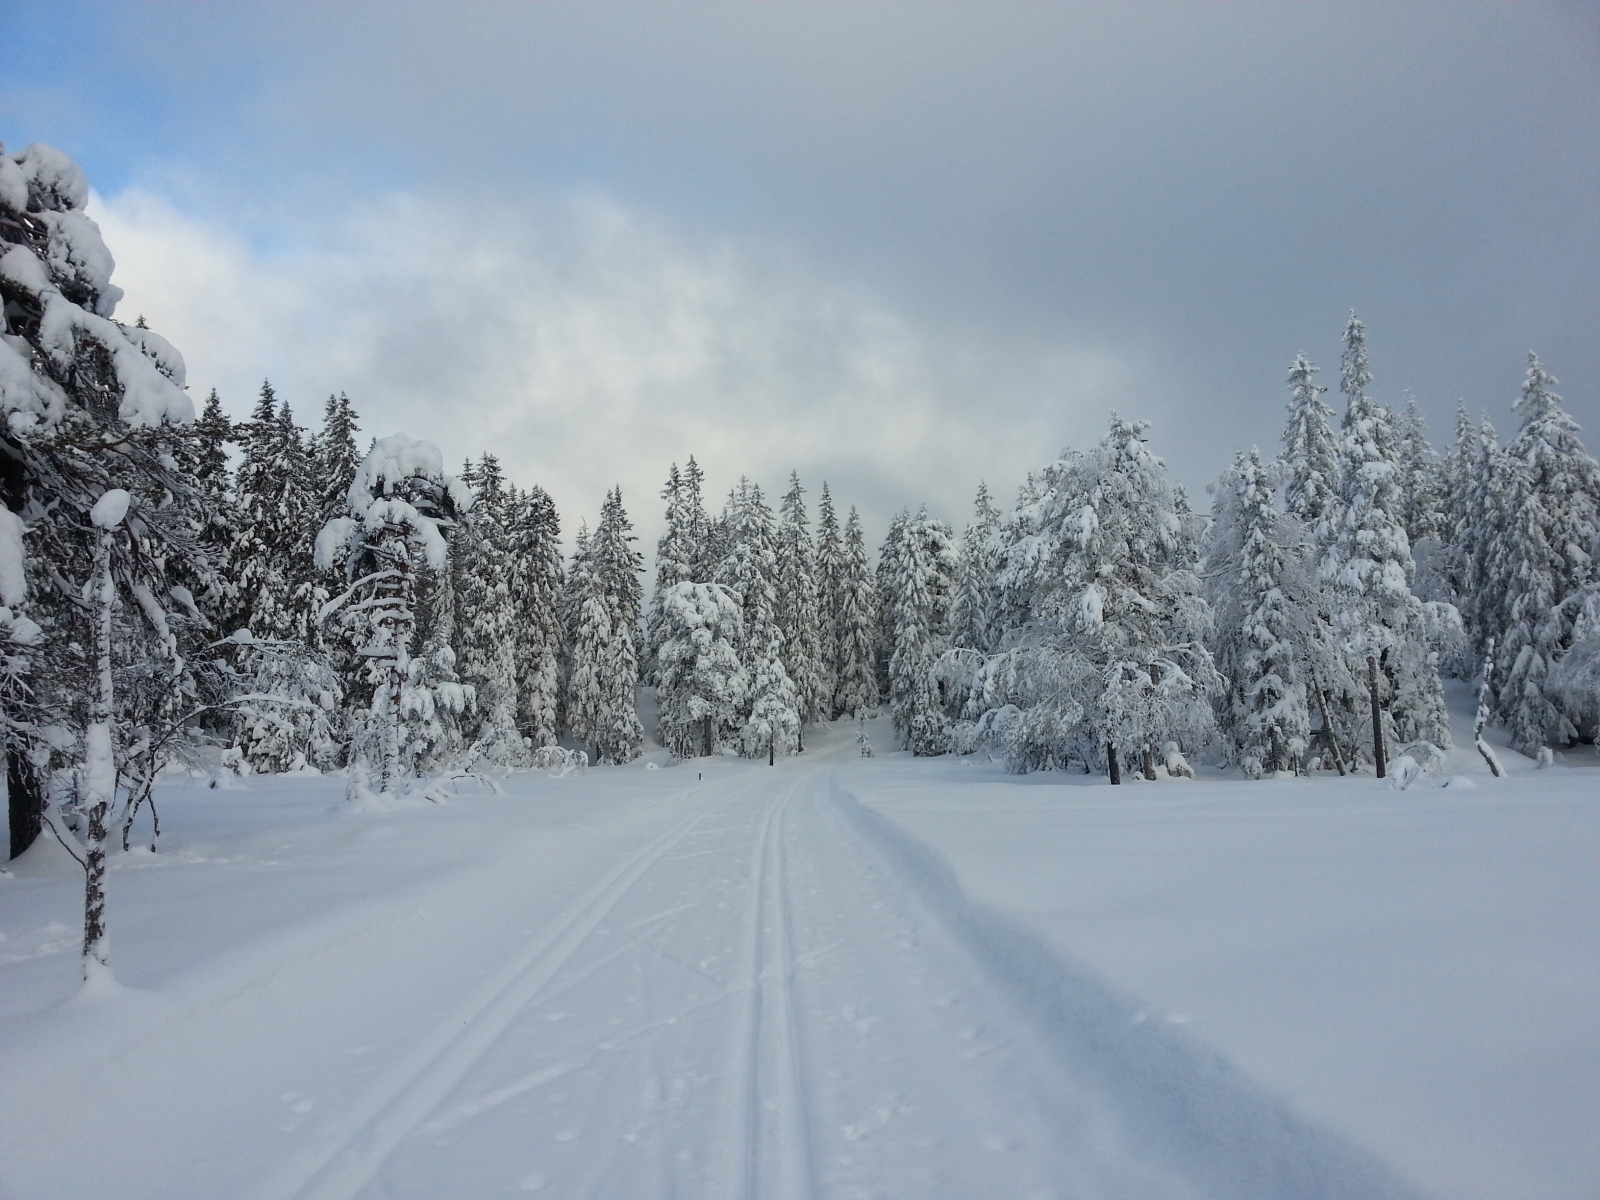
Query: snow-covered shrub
{"type": "Point", "coordinates": [559, 761]}
{"type": "Point", "coordinates": [286, 715]}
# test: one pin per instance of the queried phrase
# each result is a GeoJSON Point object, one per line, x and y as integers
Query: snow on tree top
{"type": "Point", "coordinates": [68, 272]}
{"type": "Point", "coordinates": [53, 180]}
{"type": "Point", "coordinates": [77, 254]}
{"type": "Point", "coordinates": [159, 351]}
{"type": "Point", "coordinates": [395, 459]}
{"type": "Point", "coordinates": [13, 184]}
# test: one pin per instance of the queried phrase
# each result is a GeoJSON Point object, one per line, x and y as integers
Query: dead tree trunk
{"type": "Point", "coordinates": [1327, 726]}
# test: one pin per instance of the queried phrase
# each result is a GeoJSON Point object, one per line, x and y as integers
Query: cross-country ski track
{"type": "Point", "coordinates": [778, 995]}
{"type": "Point", "coordinates": [836, 978]}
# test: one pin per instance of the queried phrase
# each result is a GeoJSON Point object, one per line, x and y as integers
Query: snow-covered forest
{"type": "Point", "coordinates": [186, 592]}
{"type": "Point", "coordinates": [191, 599]}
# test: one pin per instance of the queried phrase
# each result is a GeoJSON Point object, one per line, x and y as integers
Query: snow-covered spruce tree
{"type": "Point", "coordinates": [703, 550]}
{"type": "Point", "coordinates": [856, 684]}
{"type": "Point", "coordinates": [1574, 681]}
{"type": "Point", "coordinates": [719, 539]}
{"type": "Point", "coordinates": [399, 509]}
{"type": "Point", "coordinates": [1016, 544]}
{"type": "Point", "coordinates": [335, 458]}
{"type": "Point", "coordinates": [799, 624]}
{"type": "Point", "coordinates": [749, 571]}
{"type": "Point", "coordinates": [276, 504]}
{"type": "Point", "coordinates": [575, 586]}
{"type": "Point", "coordinates": [1111, 660]}
{"type": "Point", "coordinates": [601, 708]}
{"type": "Point", "coordinates": [830, 572]}
{"type": "Point", "coordinates": [486, 618]}
{"type": "Point", "coordinates": [99, 611]}
{"type": "Point", "coordinates": [1257, 586]}
{"type": "Point", "coordinates": [975, 612]}
{"type": "Point", "coordinates": [773, 726]}
{"type": "Point", "coordinates": [672, 568]}
{"type": "Point", "coordinates": [1311, 456]}
{"type": "Point", "coordinates": [1542, 554]}
{"type": "Point", "coordinates": [213, 434]}
{"type": "Point", "coordinates": [921, 579]}
{"type": "Point", "coordinates": [883, 579]}
{"type": "Point", "coordinates": [680, 552]}
{"type": "Point", "coordinates": [533, 543]}
{"type": "Point", "coordinates": [1457, 538]}
{"type": "Point", "coordinates": [749, 567]}
{"type": "Point", "coordinates": [439, 705]}
{"type": "Point", "coordinates": [1367, 570]}
{"type": "Point", "coordinates": [1421, 477]}
{"type": "Point", "coordinates": [906, 595]}
{"type": "Point", "coordinates": [204, 456]}
{"type": "Point", "coordinates": [704, 689]}
{"type": "Point", "coordinates": [253, 569]}
{"type": "Point", "coordinates": [1483, 592]}
{"type": "Point", "coordinates": [279, 592]}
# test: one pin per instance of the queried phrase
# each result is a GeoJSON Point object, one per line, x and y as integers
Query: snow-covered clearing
{"type": "Point", "coordinates": [837, 977]}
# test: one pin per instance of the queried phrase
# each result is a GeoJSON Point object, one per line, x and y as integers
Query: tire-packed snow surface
{"type": "Point", "coordinates": [833, 978]}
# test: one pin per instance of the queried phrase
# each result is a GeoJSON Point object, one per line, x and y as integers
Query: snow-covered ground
{"type": "Point", "coordinates": [839, 977]}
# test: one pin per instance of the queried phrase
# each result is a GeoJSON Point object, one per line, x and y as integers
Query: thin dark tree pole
{"type": "Point", "coordinates": [1377, 714]}
{"type": "Point", "coordinates": [1113, 766]}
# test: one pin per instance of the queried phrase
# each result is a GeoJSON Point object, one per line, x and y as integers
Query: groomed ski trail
{"type": "Point", "coordinates": [343, 1159]}
{"type": "Point", "coordinates": [768, 1003]}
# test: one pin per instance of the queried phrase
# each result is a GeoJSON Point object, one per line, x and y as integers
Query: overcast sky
{"type": "Point", "coordinates": [899, 247]}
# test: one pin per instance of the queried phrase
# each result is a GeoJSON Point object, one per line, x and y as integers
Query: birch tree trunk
{"type": "Point", "coordinates": [100, 770]}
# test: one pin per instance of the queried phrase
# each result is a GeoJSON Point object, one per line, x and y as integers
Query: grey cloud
{"type": "Point", "coordinates": [1194, 191]}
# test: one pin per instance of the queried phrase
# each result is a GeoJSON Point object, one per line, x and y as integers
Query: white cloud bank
{"type": "Point", "coordinates": [587, 344]}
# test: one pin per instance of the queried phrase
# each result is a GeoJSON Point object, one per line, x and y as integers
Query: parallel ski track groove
{"type": "Point", "coordinates": [408, 1095]}
{"type": "Point", "coordinates": [768, 1030]}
